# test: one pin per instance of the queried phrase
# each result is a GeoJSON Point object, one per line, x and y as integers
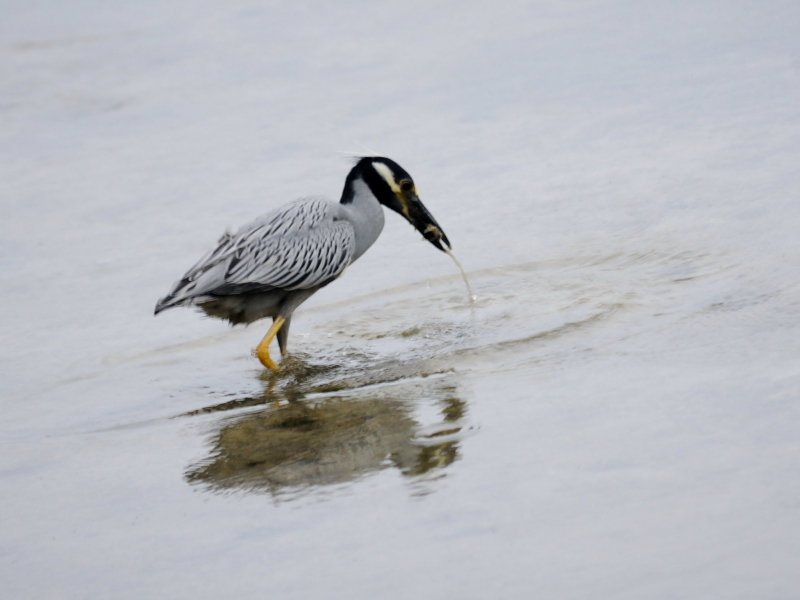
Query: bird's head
{"type": "Point", "coordinates": [394, 188]}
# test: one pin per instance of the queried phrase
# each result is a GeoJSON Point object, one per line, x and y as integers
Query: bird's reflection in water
{"type": "Point", "coordinates": [297, 443]}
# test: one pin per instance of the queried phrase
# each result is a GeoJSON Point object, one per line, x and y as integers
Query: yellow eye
{"type": "Point", "coordinates": [406, 185]}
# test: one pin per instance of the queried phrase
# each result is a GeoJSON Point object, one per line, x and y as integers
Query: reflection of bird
{"type": "Point", "coordinates": [275, 263]}
{"type": "Point", "coordinates": [331, 440]}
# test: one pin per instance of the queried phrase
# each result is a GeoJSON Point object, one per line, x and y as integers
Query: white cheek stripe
{"type": "Point", "coordinates": [387, 174]}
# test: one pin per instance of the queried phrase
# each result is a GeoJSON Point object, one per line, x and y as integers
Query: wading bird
{"type": "Point", "coordinates": [272, 265]}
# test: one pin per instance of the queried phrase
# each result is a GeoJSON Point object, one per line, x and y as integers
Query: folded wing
{"type": "Point", "coordinates": [300, 246]}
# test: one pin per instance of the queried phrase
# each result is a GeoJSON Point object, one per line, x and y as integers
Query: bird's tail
{"type": "Point", "coordinates": [163, 304]}
{"type": "Point", "coordinates": [169, 301]}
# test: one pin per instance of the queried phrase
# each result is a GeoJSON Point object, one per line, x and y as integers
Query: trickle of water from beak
{"type": "Point", "coordinates": [472, 297]}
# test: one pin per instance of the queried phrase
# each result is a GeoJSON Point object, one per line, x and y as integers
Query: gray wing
{"type": "Point", "coordinates": [299, 246]}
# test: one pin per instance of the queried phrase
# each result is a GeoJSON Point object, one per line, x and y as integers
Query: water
{"type": "Point", "coordinates": [470, 296]}
{"type": "Point", "coordinates": [614, 416]}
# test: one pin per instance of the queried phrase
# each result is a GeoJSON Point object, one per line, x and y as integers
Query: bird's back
{"type": "Point", "coordinates": [300, 246]}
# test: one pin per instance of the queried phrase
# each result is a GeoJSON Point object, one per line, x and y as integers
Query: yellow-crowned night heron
{"type": "Point", "coordinates": [272, 265]}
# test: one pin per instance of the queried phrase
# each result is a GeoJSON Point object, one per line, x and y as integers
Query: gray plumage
{"type": "Point", "coordinates": [302, 246]}
{"type": "Point", "coordinates": [273, 264]}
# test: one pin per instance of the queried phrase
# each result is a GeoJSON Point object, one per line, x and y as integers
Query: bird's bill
{"type": "Point", "coordinates": [422, 220]}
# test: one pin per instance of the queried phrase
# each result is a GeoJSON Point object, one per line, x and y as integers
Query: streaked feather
{"type": "Point", "coordinates": [299, 246]}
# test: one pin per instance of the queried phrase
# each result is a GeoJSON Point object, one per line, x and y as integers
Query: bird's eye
{"type": "Point", "coordinates": [406, 185]}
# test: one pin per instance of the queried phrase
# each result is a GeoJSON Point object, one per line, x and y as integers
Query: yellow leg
{"type": "Point", "coordinates": [263, 348]}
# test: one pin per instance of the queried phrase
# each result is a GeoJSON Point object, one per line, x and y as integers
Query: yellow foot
{"type": "Point", "coordinates": [263, 348]}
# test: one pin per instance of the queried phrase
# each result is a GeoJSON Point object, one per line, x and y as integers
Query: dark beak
{"type": "Point", "coordinates": [423, 221]}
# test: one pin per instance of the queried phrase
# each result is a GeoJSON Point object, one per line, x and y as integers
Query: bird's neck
{"type": "Point", "coordinates": [366, 214]}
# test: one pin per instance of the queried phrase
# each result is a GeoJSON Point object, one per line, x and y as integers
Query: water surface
{"type": "Point", "coordinates": [615, 416]}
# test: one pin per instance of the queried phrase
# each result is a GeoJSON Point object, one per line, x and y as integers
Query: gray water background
{"type": "Point", "coordinates": [616, 417]}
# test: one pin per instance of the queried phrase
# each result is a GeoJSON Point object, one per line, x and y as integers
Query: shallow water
{"type": "Point", "coordinates": [614, 416]}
